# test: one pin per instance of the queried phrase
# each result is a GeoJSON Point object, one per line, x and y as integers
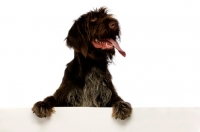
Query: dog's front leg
{"type": "Point", "coordinates": [44, 108]}
{"type": "Point", "coordinates": [121, 109]}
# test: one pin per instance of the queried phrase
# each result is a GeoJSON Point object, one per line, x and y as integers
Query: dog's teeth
{"type": "Point", "coordinates": [96, 40]}
{"type": "Point", "coordinates": [108, 45]}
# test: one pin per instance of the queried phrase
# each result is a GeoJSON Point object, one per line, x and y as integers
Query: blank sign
{"type": "Point", "coordinates": [84, 119]}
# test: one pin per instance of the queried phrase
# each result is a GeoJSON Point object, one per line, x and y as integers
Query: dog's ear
{"type": "Point", "coordinates": [76, 39]}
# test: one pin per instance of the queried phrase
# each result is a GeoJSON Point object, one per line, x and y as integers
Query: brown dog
{"type": "Point", "coordinates": [87, 81]}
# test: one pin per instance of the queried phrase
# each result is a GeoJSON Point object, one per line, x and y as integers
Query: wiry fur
{"type": "Point", "coordinates": [95, 92]}
{"type": "Point", "coordinates": [87, 81]}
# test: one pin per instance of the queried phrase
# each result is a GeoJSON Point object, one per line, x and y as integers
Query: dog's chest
{"type": "Point", "coordinates": [95, 92]}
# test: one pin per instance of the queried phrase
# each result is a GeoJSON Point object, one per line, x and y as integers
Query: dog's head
{"type": "Point", "coordinates": [95, 34]}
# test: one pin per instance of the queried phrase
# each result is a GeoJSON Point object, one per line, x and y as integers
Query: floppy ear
{"type": "Point", "coordinates": [76, 39]}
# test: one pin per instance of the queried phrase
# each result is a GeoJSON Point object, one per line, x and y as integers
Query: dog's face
{"type": "Point", "coordinates": [95, 35]}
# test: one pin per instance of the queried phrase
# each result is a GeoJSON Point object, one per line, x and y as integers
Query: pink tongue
{"type": "Point", "coordinates": [115, 44]}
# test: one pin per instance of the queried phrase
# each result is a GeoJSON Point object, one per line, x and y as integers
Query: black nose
{"type": "Point", "coordinates": [113, 24]}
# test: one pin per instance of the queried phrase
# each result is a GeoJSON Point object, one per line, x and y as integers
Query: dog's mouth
{"type": "Point", "coordinates": [107, 44]}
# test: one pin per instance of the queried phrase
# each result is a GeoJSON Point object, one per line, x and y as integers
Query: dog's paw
{"type": "Point", "coordinates": [42, 109]}
{"type": "Point", "coordinates": [122, 110]}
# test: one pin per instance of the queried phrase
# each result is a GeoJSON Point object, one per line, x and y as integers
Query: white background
{"type": "Point", "coordinates": [161, 39]}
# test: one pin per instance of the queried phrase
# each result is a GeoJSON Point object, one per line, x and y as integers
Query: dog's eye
{"type": "Point", "coordinates": [93, 19]}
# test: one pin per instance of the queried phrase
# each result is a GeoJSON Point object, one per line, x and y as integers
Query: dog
{"type": "Point", "coordinates": [87, 81]}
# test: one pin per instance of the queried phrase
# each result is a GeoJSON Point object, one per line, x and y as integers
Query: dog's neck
{"type": "Point", "coordinates": [88, 63]}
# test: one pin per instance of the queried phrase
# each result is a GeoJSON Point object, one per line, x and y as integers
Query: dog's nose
{"type": "Point", "coordinates": [113, 24]}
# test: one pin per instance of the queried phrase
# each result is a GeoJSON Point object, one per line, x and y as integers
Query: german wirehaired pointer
{"type": "Point", "coordinates": [87, 81]}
